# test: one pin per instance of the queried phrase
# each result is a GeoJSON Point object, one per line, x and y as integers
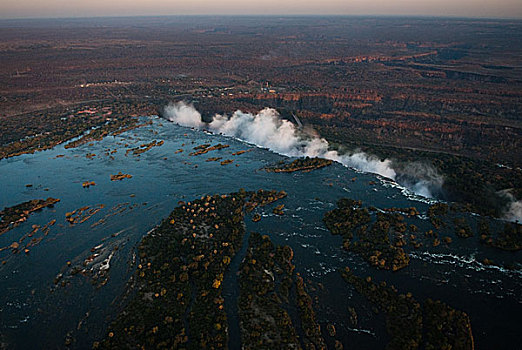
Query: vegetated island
{"type": "Point", "coordinates": [505, 236]}
{"type": "Point", "coordinates": [269, 289]}
{"type": "Point", "coordinates": [433, 325]}
{"type": "Point", "coordinates": [13, 216]}
{"type": "Point", "coordinates": [380, 236]}
{"type": "Point", "coordinates": [373, 242]}
{"type": "Point", "coordinates": [301, 164]}
{"type": "Point", "coordinates": [178, 282]}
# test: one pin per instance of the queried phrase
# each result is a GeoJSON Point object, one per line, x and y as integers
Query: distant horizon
{"type": "Point", "coordinates": [54, 9]}
{"type": "Point", "coordinates": [397, 16]}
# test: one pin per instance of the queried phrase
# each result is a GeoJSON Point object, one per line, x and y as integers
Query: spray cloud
{"type": "Point", "coordinates": [183, 114]}
{"type": "Point", "coordinates": [513, 210]}
{"type": "Point", "coordinates": [267, 129]}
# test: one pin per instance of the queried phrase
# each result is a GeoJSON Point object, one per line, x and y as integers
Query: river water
{"type": "Point", "coordinates": [36, 313]}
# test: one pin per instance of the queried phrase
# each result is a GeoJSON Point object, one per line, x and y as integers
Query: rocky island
{"type": "Point", "coordinates": [120, 176]}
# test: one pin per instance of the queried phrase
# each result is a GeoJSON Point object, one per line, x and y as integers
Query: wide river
{"type": "Point", "coordinates": [37, 313]}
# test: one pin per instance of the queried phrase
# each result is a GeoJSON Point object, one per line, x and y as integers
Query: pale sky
{"type": "Point", "coordinates": [90, 8]}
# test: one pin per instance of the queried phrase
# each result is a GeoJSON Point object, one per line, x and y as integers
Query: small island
{"type": "Point", "coordinates": [144, 147]}
{"type": "Point", "coordinates": [205, 148]}
{"type": "Point", "coordinates": [120, 176]}
{"type": "Point", "coordinates": [301, 164]}
{"type": "Point", "coordinates": [13, 216]}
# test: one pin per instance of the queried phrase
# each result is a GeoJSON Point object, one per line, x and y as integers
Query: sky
{"type": "Point", "coordinates": [95, 8]}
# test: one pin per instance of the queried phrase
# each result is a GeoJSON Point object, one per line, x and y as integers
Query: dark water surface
{"type": "Point", "coordinates": [35, 313]}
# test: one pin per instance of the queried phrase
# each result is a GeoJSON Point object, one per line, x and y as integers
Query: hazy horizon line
{"type": "Point", "coordinates": [454, 17]}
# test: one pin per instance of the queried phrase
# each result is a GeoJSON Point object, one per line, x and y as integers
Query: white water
{"type": "Point", "coordinates": [266, 129]}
